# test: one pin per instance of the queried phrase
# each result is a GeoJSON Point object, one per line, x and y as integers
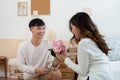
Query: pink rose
{"type": "Point", "coordinates": [58, 47]}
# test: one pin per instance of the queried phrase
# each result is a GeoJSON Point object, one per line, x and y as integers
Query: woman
{"type": "Point", "coordinates": [93, 63]}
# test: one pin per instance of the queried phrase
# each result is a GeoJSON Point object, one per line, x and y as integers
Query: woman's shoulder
{"type": "Point", "coordinates": [86, 40]}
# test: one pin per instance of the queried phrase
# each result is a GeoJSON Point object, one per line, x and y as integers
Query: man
{"type": "Point", "coordinates": [34, 55]}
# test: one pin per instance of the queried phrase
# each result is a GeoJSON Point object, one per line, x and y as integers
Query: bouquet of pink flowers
{"type": "Point", "coordinates": [58, 47]}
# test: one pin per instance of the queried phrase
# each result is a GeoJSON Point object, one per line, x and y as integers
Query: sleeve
{"type": "Point", "coordinates": [21, 62]}
{"type": "Point", "coordinates": [83, 61]}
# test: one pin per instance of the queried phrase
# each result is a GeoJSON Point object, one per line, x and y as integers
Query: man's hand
{"type": "Point", "coordinates": [42, 70]}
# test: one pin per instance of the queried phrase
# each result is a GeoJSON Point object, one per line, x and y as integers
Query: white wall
{"type": "Point", "coordinates": [105, 14]}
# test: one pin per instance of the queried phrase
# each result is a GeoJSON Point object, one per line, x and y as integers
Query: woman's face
{"type": "Point", "coordinates": [75, 31]}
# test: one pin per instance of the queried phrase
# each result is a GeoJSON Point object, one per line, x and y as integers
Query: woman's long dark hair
{"type": "Point", "coordinates": [88, 29]}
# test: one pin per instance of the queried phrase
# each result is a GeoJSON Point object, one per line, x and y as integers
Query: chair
{"type": "Point", "coordinates": [13, 71]}
{"type": "Point", "coordinates": [4, 61]}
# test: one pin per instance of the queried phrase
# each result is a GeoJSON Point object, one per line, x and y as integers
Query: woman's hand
{"type": "Point", "coordinates": [61, 57]}
{"type": "Point", "coordinates": [56, 62]}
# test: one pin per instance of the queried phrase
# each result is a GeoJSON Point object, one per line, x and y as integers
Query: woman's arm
{"type": "Point", "coordinates": [83, 61]}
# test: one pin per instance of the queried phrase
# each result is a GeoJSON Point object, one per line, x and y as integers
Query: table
{"type": "Point", "coordinates": [4, 61]}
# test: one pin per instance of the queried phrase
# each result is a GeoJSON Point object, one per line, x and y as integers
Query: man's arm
{"type": "Point", "coordinates": [21, 63]}
{"type": "Point", "coordinates": [22, 60]}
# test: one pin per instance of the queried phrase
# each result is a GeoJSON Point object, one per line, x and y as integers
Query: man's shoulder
{"type": "Point", "coordinates": [46, 41]}
{"type": "Point", "coordinates": [25, 43]}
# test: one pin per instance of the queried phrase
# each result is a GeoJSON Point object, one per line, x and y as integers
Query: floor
{"type": "Point", "coordinates": [3, 78]}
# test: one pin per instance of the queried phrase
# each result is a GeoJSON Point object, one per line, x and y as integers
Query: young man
{"type": "Point", "coordinates": [34, 55]}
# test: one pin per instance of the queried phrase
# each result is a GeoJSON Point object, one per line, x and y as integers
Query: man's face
{"type": "Point", "coordinates": [38, 31]}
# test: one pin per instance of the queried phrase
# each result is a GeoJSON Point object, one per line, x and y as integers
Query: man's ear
{"type": "Point", "coordinates": [30, 29]}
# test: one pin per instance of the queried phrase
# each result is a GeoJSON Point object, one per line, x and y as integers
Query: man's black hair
{"type": "Point", "coordinates": [36, 22]}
